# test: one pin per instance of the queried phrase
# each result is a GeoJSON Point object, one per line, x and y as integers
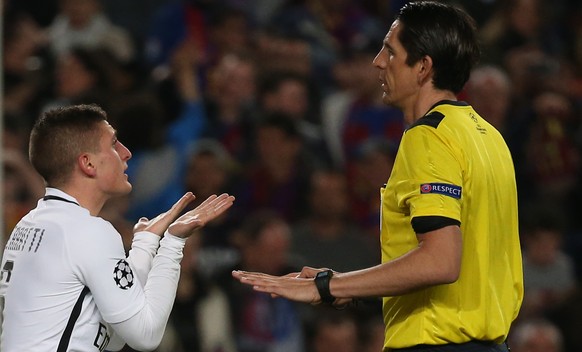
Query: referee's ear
{"type": "Point", "coordinates": [425, 70]}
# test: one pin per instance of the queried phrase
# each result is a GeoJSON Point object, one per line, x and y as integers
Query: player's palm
{"type": "Point", "coordinates": [210, 209]}
{"type": "Point", "coordinates": [160, 223]}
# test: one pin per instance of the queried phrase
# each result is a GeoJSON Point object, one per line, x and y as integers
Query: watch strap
{"type": "Point", "coordinates": [322, 283]}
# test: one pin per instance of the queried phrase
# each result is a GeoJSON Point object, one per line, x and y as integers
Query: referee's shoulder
{"type": "Point", "coordinates": [432, 119]}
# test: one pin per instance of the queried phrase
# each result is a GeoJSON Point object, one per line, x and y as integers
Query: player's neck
{"type": "Point", "coordinates": [87, 198]}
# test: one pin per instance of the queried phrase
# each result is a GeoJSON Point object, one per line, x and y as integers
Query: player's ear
{"type": "Point", "coordinates": [86, 164]}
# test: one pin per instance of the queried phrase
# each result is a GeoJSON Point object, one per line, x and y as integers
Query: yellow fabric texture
{"type": "Point", "coordinates": [464, 151]}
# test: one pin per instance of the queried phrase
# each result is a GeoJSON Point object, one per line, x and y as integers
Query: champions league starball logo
{"type": "Point", "coordinates": [123, 275]}
{"type": "Point", "coordinates": [426, 188]}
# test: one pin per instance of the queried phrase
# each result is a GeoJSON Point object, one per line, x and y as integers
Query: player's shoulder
{"type": "Point", "coordinates": [77, 218]}
{"type": "Point", "coordinates": [80, 226]}
{"type": "Point", "coordinates": [91, 237]}
{"type": "Point", "coordinates": [96, 226]}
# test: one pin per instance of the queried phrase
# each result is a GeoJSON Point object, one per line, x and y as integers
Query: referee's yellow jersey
{"type": "Point", "coordinates": [452, 163]}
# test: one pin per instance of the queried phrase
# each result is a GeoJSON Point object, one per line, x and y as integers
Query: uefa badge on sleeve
{"type": "Point", "coordinates": [123, 275]}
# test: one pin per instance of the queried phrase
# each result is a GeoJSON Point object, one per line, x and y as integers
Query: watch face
{"type": "Point", "coordinates": [323, 274]}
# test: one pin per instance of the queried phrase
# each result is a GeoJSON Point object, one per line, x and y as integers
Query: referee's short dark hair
{"type": "Point", "coordinates": [446, 34]}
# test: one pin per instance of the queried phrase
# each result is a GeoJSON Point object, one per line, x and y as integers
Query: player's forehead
{"type": "Point", "coordinates": [106, 132]}
{"type": "Point", "coordinates": [106, 128]}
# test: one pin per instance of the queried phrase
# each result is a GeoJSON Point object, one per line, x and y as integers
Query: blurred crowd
{"type": "Point", "coordinates": [277, 102]}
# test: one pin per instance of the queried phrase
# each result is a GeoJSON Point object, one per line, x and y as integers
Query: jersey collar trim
{"type": "Point", "coordinates": [448, 102]}
{"type": "Point", "coordinates": [56, 194]}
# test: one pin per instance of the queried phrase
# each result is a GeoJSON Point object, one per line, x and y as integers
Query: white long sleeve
{"type": "Point", "coordinates": [144, 330]}
{"type": "Point", "coordinates": [144, 247]}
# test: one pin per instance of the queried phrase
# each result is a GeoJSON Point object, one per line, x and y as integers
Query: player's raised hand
{"type": "Point", "coordinates": [160, 223]}
{"type": "Point", "coordinates": [210, 209]}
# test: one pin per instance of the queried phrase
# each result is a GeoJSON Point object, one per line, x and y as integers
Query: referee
{"type": "Point", "coordinates": [451, 276]}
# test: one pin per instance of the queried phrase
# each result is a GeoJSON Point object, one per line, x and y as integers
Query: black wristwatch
{"type": "Point", "coordinates": [322, 283]}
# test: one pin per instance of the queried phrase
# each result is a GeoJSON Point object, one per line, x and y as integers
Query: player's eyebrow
{"type": "Point", "coordinates": [114, 136]}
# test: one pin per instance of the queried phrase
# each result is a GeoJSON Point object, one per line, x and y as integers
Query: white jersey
{"type": "Point", "coordinates": [65, 279]}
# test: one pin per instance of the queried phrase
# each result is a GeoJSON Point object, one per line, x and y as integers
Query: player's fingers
{"type": "Point", "coordinates": [141, 224]}
{"type": "Point", "coordinates": [142, 220]}
{"type": "Point", "coordinates": [177, 208]}
{"type": "Point", "coordinates": [221, 205]}
{"type": "Point", "coordinates": [216, 201]}
{"type": "Point", "coordinates": [174, 212]}
{"type": "Point", "coordinates": [206, 203]}
{"type": "Point", "coordinates": [211, 208]}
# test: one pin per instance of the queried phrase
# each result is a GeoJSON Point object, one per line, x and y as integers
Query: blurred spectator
{"type": "Point", "coordinates": [334, 331]}
{"type": "Point", "coordinates": [230, 103]}
{"type": "Point", "coordinates": [536, 336]}
{"type": "Point", "coordinates": [533, 72]}
{"type": "Point", "coordinates": [373, 332]}
{"type": "Point", "coordinates": [27, 66]}
{"type": "Point", "coordinates": [279, 174]}
{"type": "Point", "coordinates": [230, 32]}
{"type": "Point", "coordinates": [568, 318]}
{"type": "Point", "coordinates": [260, 12]}
{"type": "Point", "coordinates": [262, 323]}
{"type": "Point", "coordinates": [15, 133]}
{"type": "Point", "coordinates": [280, 52]}
{"type": "Point", "coordinates": [372, 166]}
{"type": "Point", "coordinates": [480, 10]}
{"type": "Point", "coordinates": [549, 277]}
{"type": "Point", "coordinates": [161, 146]}
{"type": "Point", "coordinates": [81, 23]}
{"type": "Point", "coordinates": [135, 16]}
{"type": "Point", "coordinates": [292, 94]}
{"type": "Point", "coordinates": [521, 24]}
{"type": "Point", "coordinates": [172, 24]}
{"type": "Point", "coordinates": [326, 26]}
{"type": "Point", "coordinates": [200, 307]}
{"type": "Point", "coordinates": [326, 237]}
{"type": "Point", "coordinates": [216, 28]}
{"type": "Point", "coordinates": [84, 76]}
{"type": "Point", "coordinates": [355, 112]}
{"type": "Point", "coordinates": [22, 187]}
{"type": "Point", "coordinates": [210, 171]}
{"type": "Point", "coordinates": [489, 92]}
{"type": "Point", "coordinates": [552, 158]}
{"type": "Point", "coordinates": [41, 12]}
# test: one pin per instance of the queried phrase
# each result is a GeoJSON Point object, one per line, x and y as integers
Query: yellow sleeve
{"type": "Point", "coordinates": [435, 175]}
